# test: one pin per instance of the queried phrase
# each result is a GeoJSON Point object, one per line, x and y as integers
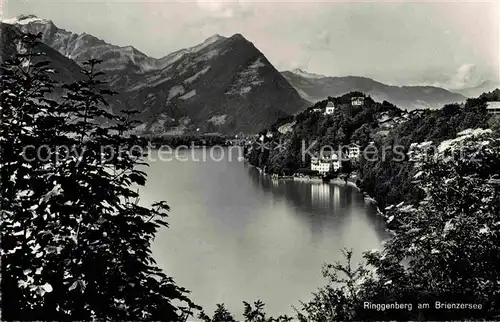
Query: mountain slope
{"type": "Point", "coordinates": [81, 47]}
{"type": "Point", "coordinates": [316, 88]}
{"type": "Point", "coordinates": [67, 70]}
{"type": "Point", "coordinates": [222, 85]}
{"type": "Point", "coordinates": [484, 87]}
{"type": "Point", "coordinates": [226, 86]}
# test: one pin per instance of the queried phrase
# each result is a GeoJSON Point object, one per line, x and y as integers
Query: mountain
{"type": "Point", "coordinates": [475, 91]}
{"type": "Point", "coordinates": [305, 74]}
{"type": "Point", "coordinates": [315, 88]}
{"type": "Point", "coordinates": [67, 69]}
{"type": "Point", "coordinates": [223, 85]}
{"type": "Point", "coordinates": [81, 47]}
{"type": "Point", "coordinates": [226, 85]}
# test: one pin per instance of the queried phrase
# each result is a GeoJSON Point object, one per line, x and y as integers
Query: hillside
{"type": "Point", "coordinates": [384, 176]}
{"type": "Point", "coordinates": [485, 86]}
{"type": "Point", "coordinates": [223, 85]}
{"type": "Point", "coordinates": [226, 86]}
{"type": "Point", "coordinates": [315, 88]}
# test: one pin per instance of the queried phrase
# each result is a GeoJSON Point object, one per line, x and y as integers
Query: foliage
{"type": "Point", "coordinates": [75, 241]}
{"type": "Point", "coordinates": [388, 176]}
{"type": "Point", "coordinates": [345, 125]}
{"type": "Point", "coordinates": [189, 140]}
{"type": "Point", "coordinates": [221, 314]}
{"type": "Point", "coordinates": [444, 249]}
{"type": "Point", "coordinates": [251, 313]}
{"type": "Point", "coordinates": [339, 299]}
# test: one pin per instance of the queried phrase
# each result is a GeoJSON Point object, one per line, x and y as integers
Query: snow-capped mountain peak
{"type": "Point", "coordinates": [177, 55]}
{"type": "Point", "coordinates": [306, 74]}
{"type": "Point", "coordinates": [25, 19]}
{"type": "Point", "coordinates": [214, 38]}
{"type": "Point", "coordinates": [207, 42]}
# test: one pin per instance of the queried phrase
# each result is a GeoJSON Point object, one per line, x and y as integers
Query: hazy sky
{"type": "Point", "coordinates": [450, 44]}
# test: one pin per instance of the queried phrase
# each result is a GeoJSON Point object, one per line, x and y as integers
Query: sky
{"type": "Point", "coordinates": [450, 44]}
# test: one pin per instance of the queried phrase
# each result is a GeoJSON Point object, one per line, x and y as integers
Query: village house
{"type": "Point", "coordinates": [353, 151]}
{"type": "Point", "coordinates": [325, 162]}
{"type": "Point", "coordinates": [330, 108]}
{"type": "Point", "coordinates": [493, 108]}
{"type": "Point", "coordinates": [357, 101]}
{"type": "Point", "coordinates": [383, 117]}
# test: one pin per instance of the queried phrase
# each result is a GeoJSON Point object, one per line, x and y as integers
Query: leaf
{"type": "Point", "coordinates": [73, 286]}
{"type": "Point", "coordinates": [47, 287]}
{"type": "Point", "coordinates": [137, 178]}
{"type": "Point", "coordinates": [161, 222]}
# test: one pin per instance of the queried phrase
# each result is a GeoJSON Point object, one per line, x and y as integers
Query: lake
{"type": "Point", "coordinates": [237, 235]}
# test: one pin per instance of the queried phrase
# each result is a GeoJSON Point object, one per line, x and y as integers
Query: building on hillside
{"type": "Point", "coordinates": [388, 123]}
{"type": "Point", "coordinates": [325, 162]}
{"type": "Point", "coordinates": [353, 151]}
{"type": "Point", "coordinates": [493, 108]}
{"type": "Point", "coordinates": [417, 113]}
{"type": "Point", "coordinates": [357, 101]}
{"type": "Point", "coordinates": [383, 117]}
{"type": "Point", "coordinates": [330, 108]}
{"type": "Point", "coordinates": [269, 134]}
{"type": "Point", "coordinates": [285, 128]}
{"type": "Point", "coordinates": [316, 109]}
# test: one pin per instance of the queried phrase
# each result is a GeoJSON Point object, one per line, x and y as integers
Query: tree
{"type": "Point", "coordinates": [346, 169]}
{"type": "Point", "coordinates": [338, 300]}
{"type": "Point", "coordinates": [221, 314]}
{"type": "Point", "coordinates": [362, 134]}
{"type": "Point", "coordinates": [452, 235]}
{"type": "Point", "coordinates": [251, 313]}
{"type": "Point", "coordinates": [75, 241]}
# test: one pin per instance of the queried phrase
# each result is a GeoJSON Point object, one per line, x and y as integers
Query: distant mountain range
{"type": "Point", "coordinates": [223, 85]}
{"type": "Point", "coordinates": [313, 88]}
{"type": "Point", "coordinates": [475, 91]}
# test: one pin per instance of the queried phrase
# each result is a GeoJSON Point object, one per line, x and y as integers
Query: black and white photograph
{"type": "Point", "coordinates": [249, 160]}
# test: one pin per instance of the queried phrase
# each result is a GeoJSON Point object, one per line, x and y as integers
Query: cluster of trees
{"type": "Point", "coordinates": [189, 140]}
{"type": "Point", "coordinates": [387, 177]}
{"type": "Point", "coordinates": [75, 241]}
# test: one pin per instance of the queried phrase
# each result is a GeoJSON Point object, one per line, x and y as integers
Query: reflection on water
{"type": "Point", "coordinates": [237, 235]}
{"type": "Point", "coordinates": [320, 195]}
{"type": "Point", "coordinates": [323, 206]}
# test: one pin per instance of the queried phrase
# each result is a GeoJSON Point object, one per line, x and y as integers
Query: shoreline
{"type": "Point", "coordinates": [337, 181]}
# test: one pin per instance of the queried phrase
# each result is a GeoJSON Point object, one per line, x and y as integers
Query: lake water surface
{"type": "Point", "coordinates": [236, 235]}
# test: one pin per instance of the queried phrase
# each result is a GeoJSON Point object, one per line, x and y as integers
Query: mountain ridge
{"type": "Point", "coordinates": [407, 97]}
{"type": "Point", "coordinates": [223, 85]}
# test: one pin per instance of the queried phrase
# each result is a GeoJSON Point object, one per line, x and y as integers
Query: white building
{"type": "Point", "coordinates": [357, 101]}
{"type": "Point", "coordinates": [325, 162]}
{"type": "Point", "coordinates": [330, 108]}
{"type": "Point", "coordinates": [493, 108]}
{"type": "Point", "coordinates": [353, 151]}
